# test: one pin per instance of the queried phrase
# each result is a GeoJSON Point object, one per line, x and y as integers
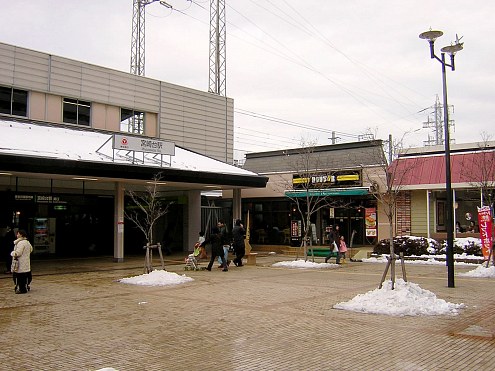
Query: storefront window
{"type": "Point", "coordinates": [466, 203]}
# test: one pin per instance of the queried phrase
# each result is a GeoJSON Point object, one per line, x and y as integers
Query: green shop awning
{"type": "Point", "coordinates": [328, 192]}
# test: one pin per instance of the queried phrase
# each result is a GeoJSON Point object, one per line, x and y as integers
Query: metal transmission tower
{"type": "Point", "coordinates": [438, 125]}
{"type": "Point", "coordinates": [137, 42]}
{"type": "Point", "coordinates": [134, 121]}
{"type": "Point", "coordinates": [217, 76]}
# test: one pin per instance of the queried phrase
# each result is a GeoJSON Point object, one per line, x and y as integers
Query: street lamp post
{"type": "Point", "coordinates": [431, 36]}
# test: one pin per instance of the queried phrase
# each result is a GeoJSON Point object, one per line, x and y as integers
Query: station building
{"type": "Point", "coordinates": [75, 136]}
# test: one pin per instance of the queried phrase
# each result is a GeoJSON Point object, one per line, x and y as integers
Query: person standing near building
{"type": "Point", "coordinates": [333, 240]}
{"type": "Point", "coordinates": [7, 246]}
{"type": "Point", "coordinates": [215, 240]}
{"type": "Point", "coordinates": [238, 235]}
{"type": "Point", "coordinates": [21, 262]}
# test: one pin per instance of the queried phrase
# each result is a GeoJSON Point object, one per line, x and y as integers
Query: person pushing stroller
{"type": "Point", "coordinates": [216, 242]}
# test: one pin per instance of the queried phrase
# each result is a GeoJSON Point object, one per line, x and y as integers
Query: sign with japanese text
{"type": "Point", "coordinates": [295, 229]}
{"type": "Point", "coordinates": [485, 223]}
{"type": "Point", "coordinates": [147, 145]}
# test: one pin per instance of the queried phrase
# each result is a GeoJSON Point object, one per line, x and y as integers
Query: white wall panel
{"type": "Point", "coordinates": [193, 119]}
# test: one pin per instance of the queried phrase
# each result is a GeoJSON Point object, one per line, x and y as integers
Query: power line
{"type": "Point", "coordinates": [291, 123]}
{"type": "Point", "coordinates": [297, 23]}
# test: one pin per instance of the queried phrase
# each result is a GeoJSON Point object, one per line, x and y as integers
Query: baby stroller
{"type": "Point", "coordinates": [192, 260]}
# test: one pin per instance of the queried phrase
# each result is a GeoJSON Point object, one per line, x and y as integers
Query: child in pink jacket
{"type": "Point", "coordinates": [342, 250]}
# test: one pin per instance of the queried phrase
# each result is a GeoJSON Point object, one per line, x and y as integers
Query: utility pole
{"type": "Point", "coordinates": [217, 75]}
{"type": "Point", "coordinates": [334, 138]}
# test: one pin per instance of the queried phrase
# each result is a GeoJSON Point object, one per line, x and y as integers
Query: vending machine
{"type": "Point", "coordinates": [44, 235]}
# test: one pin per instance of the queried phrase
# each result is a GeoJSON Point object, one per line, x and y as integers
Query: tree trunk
{"type": "Point", "coordinates": [392, 252]}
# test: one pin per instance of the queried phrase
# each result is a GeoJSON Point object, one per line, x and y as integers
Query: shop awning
{"type": "Point", "coordinates": [355, 191]}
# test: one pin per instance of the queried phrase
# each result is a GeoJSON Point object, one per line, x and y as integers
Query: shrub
{"type": "Point", "coordinates": [408, 245]}
{"type": "Point", "coordinates": [469, 246]}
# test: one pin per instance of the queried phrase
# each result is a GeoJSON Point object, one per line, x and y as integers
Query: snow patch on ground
{"type": "Point", "coordinates": [480, 271]}
{"type": "Point", "coordinates": [407, 299]}
{"type": "Point", "coordinates": [301, 264]}
{"type": "Point", "coordinates": [430, 261]}
{"type": "Point", "coordinates": [157, 278]}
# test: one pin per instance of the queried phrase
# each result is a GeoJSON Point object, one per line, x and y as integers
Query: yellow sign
{"type": "Point", "coordinates": [344, 178]}
{"type": "Point", "coordinates": [300, 180]}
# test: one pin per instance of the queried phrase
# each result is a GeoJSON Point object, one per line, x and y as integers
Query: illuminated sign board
{"type": "Point", "coordinates": [327, 180]}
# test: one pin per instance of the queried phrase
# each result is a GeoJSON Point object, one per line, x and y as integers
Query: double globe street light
{"type": "Point", "coordinates": [431, 36]}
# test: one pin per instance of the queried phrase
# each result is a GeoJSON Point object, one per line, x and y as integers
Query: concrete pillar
{"type": "Point", "coordinates": [118, 234]}
{"type": "Point", "coordinates": [236, 203]}
{"type": "Point", "coordinates": [193, 219]}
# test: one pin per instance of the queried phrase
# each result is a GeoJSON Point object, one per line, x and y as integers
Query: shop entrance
{"type": "Point", "coordinates": [62, 225]}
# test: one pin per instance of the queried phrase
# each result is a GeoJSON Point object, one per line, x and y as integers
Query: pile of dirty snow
{"type": "Point", "coordinates": [301, 264]}
{"type": "Point", "coordinates": [157, 278]}
{"type": "Point", "coordinates": [407, 299]}
{"type": "Point", "coordinates": [480, 271]}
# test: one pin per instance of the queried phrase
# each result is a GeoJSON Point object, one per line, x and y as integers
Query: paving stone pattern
{"type": "Point", "coordinates": [78, 317]}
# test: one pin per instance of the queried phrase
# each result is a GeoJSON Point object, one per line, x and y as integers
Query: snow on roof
{"type": "Point", "coordinates": [49, 141]}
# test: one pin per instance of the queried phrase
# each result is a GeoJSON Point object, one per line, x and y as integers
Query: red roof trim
{"type": "Point", "coordinates": [465, 168]}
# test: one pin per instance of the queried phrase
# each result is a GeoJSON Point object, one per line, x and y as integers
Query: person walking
{"type": "Point", "coordinates": [225, 242]}
{"type": "Point", "coordinates": [238, 235]}
{"type": "Point", "coordinates": [215, 240]}
{"type": "Point", "coordinates": [342, 250]}
{"type": "Point", "coordinates": [21, 263]}
{"type": "Point", "coordinates": [333, 240]}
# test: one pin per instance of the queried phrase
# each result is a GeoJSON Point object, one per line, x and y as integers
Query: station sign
{"type": "Point", "coordinates": [140, 144]}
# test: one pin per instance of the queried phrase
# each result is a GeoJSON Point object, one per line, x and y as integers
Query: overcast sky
{"type": "Point", "coordinates": [343, 66]}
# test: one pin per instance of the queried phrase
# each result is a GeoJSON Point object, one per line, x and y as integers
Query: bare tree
{"type": "Point", "coordinates": [478, 170]}
{"type": "Point", "coordinates": [388, 190]}
{"type": "Point", "coordinates": [307, 188]}
{"type": "Point", "coordinates": [147, 208]}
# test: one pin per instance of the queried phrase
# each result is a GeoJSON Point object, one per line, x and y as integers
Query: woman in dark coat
{"type": "Point", "coordinates": [216, 242]}
{"type": "Point", "coordinates": [7, 246]}
{"type": "Point", "coordinates": [238, 235]}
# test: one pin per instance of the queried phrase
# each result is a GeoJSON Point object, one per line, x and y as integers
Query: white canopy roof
{"type": "Point", "coordinates": [50, 141]}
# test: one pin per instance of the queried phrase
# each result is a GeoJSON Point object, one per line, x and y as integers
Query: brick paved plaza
{"type": "Point", "coordinates": [77, 317]}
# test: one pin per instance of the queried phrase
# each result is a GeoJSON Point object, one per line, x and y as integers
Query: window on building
{"type": "Point", "coordinates": [76, 111]}
{"type": "Point", "coordinates": [131, 121]}
{"type": "Point", "coordinates": [13, 101]}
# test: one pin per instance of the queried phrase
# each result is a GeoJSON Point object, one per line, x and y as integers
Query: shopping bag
{"type": "Point", "coordinates": [15, 265]}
